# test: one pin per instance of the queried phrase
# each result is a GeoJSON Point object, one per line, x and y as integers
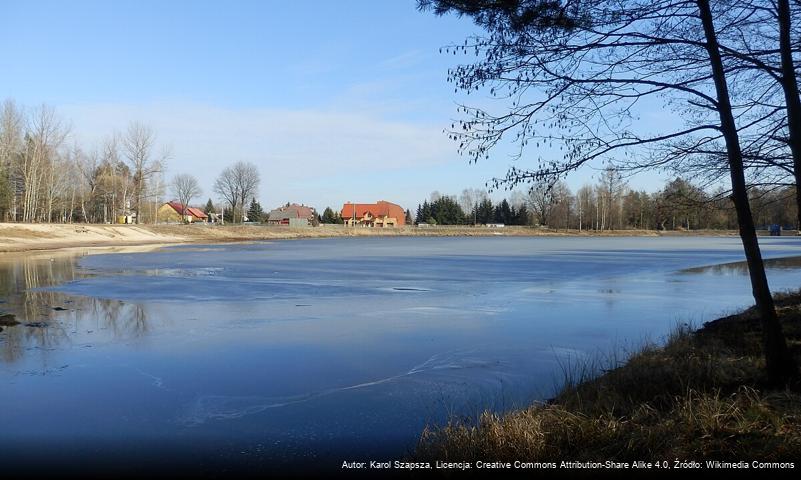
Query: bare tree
{"type": "Point", "coordinates": [611, 188]}
{"type": "Point", "coordinates": [227, 188]}
{"type": "Point", "coordinates": [545, 198]}
{"type": "Point", "coordinates": [55, 183]}
{"type": "Point", "coordinates": [780, 364]}
{"type": "Point", "coordinates": [45, 135]}
{"type": "Point", "coordinates": [185, 187]}
{"type": "Point", "coordinates": [246, 176]}
{"type": "Point", "coordinates": [789, 82]}
{"type": "Point", "coordinates": [469, 200]}
{"type": "Point", "coordinates": [540, 201]}
{"type": "Point", "coordinates": [116, 178]}
{"type": "Point", "coordinates": [584, 206]}
{"type": "Point", "coordinates": [236, 185]}
{"type": "Point", "coordinates": [138, 144]}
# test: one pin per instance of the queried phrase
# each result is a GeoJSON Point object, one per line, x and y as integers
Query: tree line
{"type": "Point", "coordinates": [611, 205]}
{"type": "Point", "coordinates": [46, 178]}
{"type": "Point", "coordinates": [446, 210]}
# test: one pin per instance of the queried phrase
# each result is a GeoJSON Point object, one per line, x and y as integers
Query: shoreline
{"type": "Point", "coordinates": [701, 396]}
{"type": "Point", "coordinates": [18, 237]}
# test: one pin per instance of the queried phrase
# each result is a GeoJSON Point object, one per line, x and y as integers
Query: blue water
{"type": "Point", "coordinates": [311, 352]}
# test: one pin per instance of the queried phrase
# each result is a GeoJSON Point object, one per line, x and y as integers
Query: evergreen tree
{"type": "Point", "coordinates": [409, 220]}
{"type": "Point", "coordinates": [255, 212]}
{"type": "Point", "coordinates": [446, 211]}
{"type": "Point", "coordinates": [485, 211]}
{"type": "Point", "coordinates": [209, 208]}
{"type": "Point", "coordinates": [330, 216]}
{"type": "Point", "coordinates": [503, 213]}
{"type": "Point", "coordinates": [521, 216]}
{"type": "Point", "coordinates": [424, 214]}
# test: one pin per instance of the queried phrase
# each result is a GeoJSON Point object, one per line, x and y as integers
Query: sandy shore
{"type": "Point", "coordinates": [16, 237]}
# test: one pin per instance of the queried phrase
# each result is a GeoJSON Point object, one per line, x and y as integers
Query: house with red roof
{"type": "Point", "coordinates": [379, 214]}
{"type": "Point", "coordinates": [176, 212]}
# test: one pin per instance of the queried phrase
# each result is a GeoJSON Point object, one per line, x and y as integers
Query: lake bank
{"type": "Point", "coordinates": [702, 396]}
{"type": "Point", "coordinates": [16, 237]}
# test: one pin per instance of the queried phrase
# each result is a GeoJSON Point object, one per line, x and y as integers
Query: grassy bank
{"type": "Point", "coordinates": [701, 396]}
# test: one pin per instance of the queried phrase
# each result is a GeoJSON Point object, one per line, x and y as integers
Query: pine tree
{"type": "Point", "coordinates": [503, 213]}
{"type": "Point", "coordinates": [209, 209]}
{"type": "Point", "coordinates": [521, 216]}
{"type": "Point", "coordinates": [330, 216]}
{"type": "Point", "coordinates": [444, 211]}
{"type": "Point", "coordinates": [409, 220]}
{"type": "Point", "coordinates": [255, 212]}
{"type": "Point", "coordinates": [425, 213]}
{"type": "Point", "coordinates": [486, 211]}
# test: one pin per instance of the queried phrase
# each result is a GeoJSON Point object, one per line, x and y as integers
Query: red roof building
{"type": "Point", "coordinates": [379, 214]}
{"type": "Point", "coordinates": [170, 210]}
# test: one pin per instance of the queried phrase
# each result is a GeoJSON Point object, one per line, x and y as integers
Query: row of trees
{"type": "Point", "coordinates": [446, 210]}
{"type": "Point", "coordinates": [679, 205]}
{"type": "Point", "coordinates": [611, 205]}
{"type": "Point", "coordinates": [43, 178]}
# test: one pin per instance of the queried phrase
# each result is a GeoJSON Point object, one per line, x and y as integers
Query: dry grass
{"type": "Point", "coordinates": [255, 232]}
{"type": "Point", "coordinates": [744, 424]}
{"type": "Point", "coordinates": [700, 396]}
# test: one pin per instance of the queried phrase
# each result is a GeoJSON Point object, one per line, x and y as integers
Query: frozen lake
{"type": "Point", "coordinates": [312, 352]}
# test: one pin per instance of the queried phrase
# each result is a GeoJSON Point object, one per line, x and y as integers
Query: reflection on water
{"type": "Point", "coordinates": [49, 319]}
{"type": "Point", "coordinates": [741, 268]}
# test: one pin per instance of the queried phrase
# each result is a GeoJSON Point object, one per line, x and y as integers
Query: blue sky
{"type": "Point", "coordinates": [334, 101]}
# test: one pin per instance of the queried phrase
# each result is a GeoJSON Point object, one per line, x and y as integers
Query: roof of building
{"type": "Point", "coordinates": [181, 210]}
{"type": "Point", "coordinates": [381, 208]}
{"type": "Point", "coordinates": [197, 213]}
{"type": "Point", "coordinates": [291, 211]}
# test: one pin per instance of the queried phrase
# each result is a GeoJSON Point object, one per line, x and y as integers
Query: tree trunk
{"type": "Point", "coordinates": [72, 203]}
{"type": "Point", "coordinates": [138, 197]}
{"type": "Point", "coordinates": [780, 365]}
{"type": "Point", "coordinates": [790, 87]}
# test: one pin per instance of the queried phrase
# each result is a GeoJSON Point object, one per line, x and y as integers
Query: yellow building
{"type": "Point", "coordinates": [170, 212]}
